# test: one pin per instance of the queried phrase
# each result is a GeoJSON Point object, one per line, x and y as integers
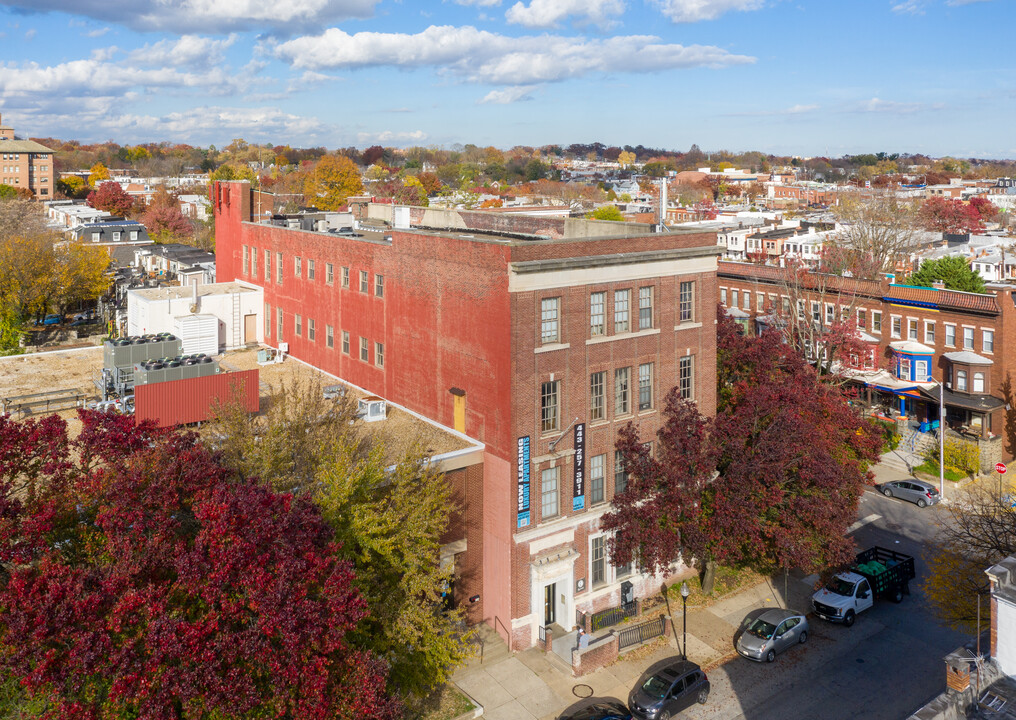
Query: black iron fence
{"type": "Point", "coordinates": [614, 615]}
{"type": "Point", "coordinates": [626, 637]}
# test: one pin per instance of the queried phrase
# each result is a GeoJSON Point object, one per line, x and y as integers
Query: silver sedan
{"type": "Point", "coordinates": [769, 634]}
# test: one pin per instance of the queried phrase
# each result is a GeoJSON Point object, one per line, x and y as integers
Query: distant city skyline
{"type": "Point", "coordinates": [806, 78]}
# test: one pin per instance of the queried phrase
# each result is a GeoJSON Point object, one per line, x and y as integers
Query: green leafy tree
{"type": "Point", "coordinates": [234, 171]}
{"type": "Point", "coordinates": [953, 270]}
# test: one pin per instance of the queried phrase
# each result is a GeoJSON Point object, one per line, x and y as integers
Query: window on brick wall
{"type": "Point", "coordinates": [297, 266]}
{"type": "Point", "coordinates": [246, 260]}
{"type": "Point", "coordinates": [978, 382]}
{"type": "Point", "coordinates": [345, 277]}
{"type": "Point", "coordinates": [278, 268]}
{"type": "Point", "coordinates": [364, 282]}
{"type": "Point", "coordinates": [298, 325]}
{"type": "Point", "coordinates": [310, 269]}
{"type": "Point", "coordinates": [379, 286]}
{"type": "Point", "coordinates": [598, 561]}
{"type": "Point", "coordinates": [550, 410]}
{"type": "Point", "coordinates": [929, 332]}
{"type": "Point", "coordinates": [597, 472]}
{"type": "Point", "coordinates": [597, 300]}
{"type": "Point", "coordinates": [550, 331]}
{"type": "Point", "coordinates": [278, 334]}
{"type": "Point", "coordinates": [329, 273]}
{"type": "Point", "coordinates": [379, 354]}
{"type": "Point", "coordinates": [549, 492]}
{"type": "Point", "coordinates": [597, 396]}
{"type": "Point", "coordinates": [268, 320]}
{"type": "Point", "coordinates": [747, 300]}
{"type": "Point", "coordinates": [622, 391]}
{"type": "Point", "coordinates": [268, 266]}
{"type": "Point", "coordinates": [687, 309]}
{"type": "Point", "coordinates": [621, 301]}
{"type": "Point", "coordinates": [329, 336]}
{"type": "Point", "coordinates": [345, 342]}
{"type": "Point", "coordinates": [950, 335]}
{"type": "Point", "coordinates": [912, 329]}
{"type": "Point", "coordinates": [620, 473]}
{"type": "Point", "coordinates": [897, 327]}
{"type": "Point", "coordinates": [735, 297]}
{"type": "Point", "coordinates": [876, 322]}
{"type": "Point", "coordinates": [645, 308]}
{"type": "Point", "coordinates": [968, 338]}
{"type": "Point", "coordinates": [645, 386]}
{"type": "Point", "coordinates": [364, 350]}
{"type": "Point", "coordinates": [723, 296]}
{"type": "Point", "coordinates": [686, 377]}
{"type": "Point", "coordinates": [988, 341]}
{"type": "Point", "coordinates": [310, 329]}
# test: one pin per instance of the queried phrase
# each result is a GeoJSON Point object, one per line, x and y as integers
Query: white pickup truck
{"type": "Point", "coordinates": [878, 573]}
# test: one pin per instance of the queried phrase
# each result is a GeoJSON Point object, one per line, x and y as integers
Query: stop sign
{"type": "Point", "coordinates": [1000, 468]}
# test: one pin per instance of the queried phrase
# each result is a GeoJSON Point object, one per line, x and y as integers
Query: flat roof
{"type": "Point", "coordinates": [176, 292]}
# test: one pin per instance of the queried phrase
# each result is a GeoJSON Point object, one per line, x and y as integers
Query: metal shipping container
{"type": "Point", "coordinates": [187, 401]}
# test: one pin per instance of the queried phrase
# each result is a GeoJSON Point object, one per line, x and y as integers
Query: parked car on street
{"type": "Point", "coordinates": [52, 319]}
{"type": "Point", "coordinates": [912, 490]}
{"type": "Point", "coordinates": [771, 633]}
{"type": "Point", "coordinates": [603, 710]}
{"type": "Point", "coordinates": [668, 691]}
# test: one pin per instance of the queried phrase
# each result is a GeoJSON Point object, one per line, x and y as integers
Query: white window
{"type": "Point", "coordinates": [621, 311]}
{"type": "Point", "coordinates": [116, 235]}
{"type": "Point", "coordinates": [816, 312]}
{"type": "Point", "coordinates": [364, 350]}
{"type": "Point", "coordinates": [549, 312]}
{"type": "Point", "coordinates": [950, 335]}
{"type": "Point", "coordinates": [921, 371]}
{"type": "Point", "coordinates": [961, 380]}
{"type": "Point", "coordinates": [298, 266]}
{"type": "Point", "coordinates": [876, 322]}
{"type": "Point", "coordinates": [549, 408]}
{"type": "Point", "coordinates": [747, 300]}
{"type": "Point", "coordinates": [310, 269]}
{"type": "Point", "coordinates": [622, 391]}
{"type": "Point", "coordinates": [735, 297]}
{"type": "Point", "coordinates": [897, 326]}
{"type": "Point", "coordinates": [988, 341]}
{"type": "Point", "coordinates": [904, 373]}
{"type": "Point", "coordinates": [912, 329]}
{"type": "Point", "coordinates": [97, 236]}
{"type": "Point", "coordinates": [597, 300]}
{"type": "Point", "coordinates": [978, 382]}
{"type": "Point", "coordinates": [723, 296]}
{"type": "Point", "coordinates": [134, 234]}
{"type": "Point", "coordinates": [549, 492]}
{"type": "Point", "coordinates": [379, 354]}
{"type": "Point", "coordinates": [830, 314]}
{"type": "Point", "coordinates": [968, 338]}
{"type": "Point", "coordinates": [645, 386]}
{"type": "Point", "coordinates": [929, 332]}
{"type": "Point", "coordinates": [646, 308]}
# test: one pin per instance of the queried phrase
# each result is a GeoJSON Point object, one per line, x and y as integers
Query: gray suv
{"type": "Point", "coordinates": [669, 690]}
{"type": "Point", "coordinates": [911, 490]}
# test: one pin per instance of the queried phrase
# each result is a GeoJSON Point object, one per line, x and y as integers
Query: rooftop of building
{"type": "Point", "coordinates": [178, 292]}
{"type": "Point", "coordinates": [23, 146]}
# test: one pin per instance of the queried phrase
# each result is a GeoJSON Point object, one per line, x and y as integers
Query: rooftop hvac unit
{"type": "Point", "coordinates": [372, 409]}
{"type": "Point", "coordinates": [198, 334]}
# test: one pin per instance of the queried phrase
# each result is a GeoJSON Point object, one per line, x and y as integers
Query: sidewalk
{"type": "Point", "coordinates": [533, 685]}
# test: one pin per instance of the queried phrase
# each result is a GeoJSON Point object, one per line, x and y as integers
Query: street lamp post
{"type": "Point", "coordinates": [685, 592]}
{"type": "Point", "coordinates": [941, 439]}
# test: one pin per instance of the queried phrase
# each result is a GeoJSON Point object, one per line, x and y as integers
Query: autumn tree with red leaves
{"type": "Point", "coordinates": [141, 580]}
{"type": "Point", "coordinates": [111, 198]}
{"type": "Point", "coordinates": [772, 484]}
{"type": "Point", "coordinates": [164, 220]}
{"type": "Point", "coordinates": [939, 214]}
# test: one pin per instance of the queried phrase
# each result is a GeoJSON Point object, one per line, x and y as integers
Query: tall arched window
{"type": "Point", "coordinates": [961, 380]}
{"type": "Point", "coordinates": [978, 382]}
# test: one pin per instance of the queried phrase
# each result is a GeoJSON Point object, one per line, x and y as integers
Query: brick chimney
{"type": "Point", "coordinates": [957, 672]}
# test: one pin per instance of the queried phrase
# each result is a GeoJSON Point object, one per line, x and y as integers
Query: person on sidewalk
{"type": "Point", "coordinates": [583, 640]}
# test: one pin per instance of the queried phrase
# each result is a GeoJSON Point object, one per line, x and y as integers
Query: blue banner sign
{"type": "Point", "coordinates": [523, 461]}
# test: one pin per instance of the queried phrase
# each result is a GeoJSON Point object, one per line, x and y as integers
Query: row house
{"type": "Point", "coordinates": [916, 338]}
{"type": "Point", "coordinates": [537, 337]}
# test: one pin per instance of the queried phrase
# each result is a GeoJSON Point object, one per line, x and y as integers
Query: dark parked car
{"type": "Point", "coordinates": [668, 691]}
{"type": "Point", "coordinates": [771, 633]}
{"type": "Point", "coordinates": [603, 710]}
{"type": "Point", "coordinates": [912, 490]}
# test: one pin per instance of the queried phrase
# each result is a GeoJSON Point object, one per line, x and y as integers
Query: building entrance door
{"type": "Point", "coordinates": [250, 328]}
{"type": "Point", "coordinates": [550, 604]}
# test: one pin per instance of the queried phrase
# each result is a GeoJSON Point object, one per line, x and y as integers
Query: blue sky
{"type": "Point", "coordinates": [806, 77]}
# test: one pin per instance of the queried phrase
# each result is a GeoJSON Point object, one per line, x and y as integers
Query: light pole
{"type": "Point", "coordinates": [941, 439]}
{"type": "Point", "coordinates": [685, 592]}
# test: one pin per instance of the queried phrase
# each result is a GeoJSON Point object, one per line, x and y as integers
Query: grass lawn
{"type": "Point", "coordinates": [931, 468]}
{"type": "Point", "coordinates": [445, 703]}
{"type": "Point", "coordinates": [728, 580]}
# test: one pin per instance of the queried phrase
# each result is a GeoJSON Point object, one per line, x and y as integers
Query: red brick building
{"type": "Point", "coordinates": [26, 164]}
{"type": "Point", "coordinates": [539, 348]}
{"type": "Point", "coordinates": [917, 337]}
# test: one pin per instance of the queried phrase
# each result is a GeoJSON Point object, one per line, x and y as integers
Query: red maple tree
{"type": "Point", "coordinates": [143, 581]}
{"type": "Point", "coordinates": [111, 198]}
{"type": "Point", "coordinates": [939, 214]}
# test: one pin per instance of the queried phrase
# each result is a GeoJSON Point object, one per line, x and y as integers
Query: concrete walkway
{"type": "Point", "coordinates": [533, 685]}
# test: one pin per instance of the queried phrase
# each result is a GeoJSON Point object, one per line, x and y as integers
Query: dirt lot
{"type": "Point", "coordinates": [75, 369]}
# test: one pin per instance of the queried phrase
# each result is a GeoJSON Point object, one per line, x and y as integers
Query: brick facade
{"type": "Point", "coordinates": [936, 313]}
{"type": "Point", "coordinates": [461, 318]}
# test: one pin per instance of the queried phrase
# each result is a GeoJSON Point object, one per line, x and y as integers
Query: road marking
{"type": "Point", "coordinates": [864, 521]}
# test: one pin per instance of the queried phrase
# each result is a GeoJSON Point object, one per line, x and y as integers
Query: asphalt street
{"type": "Point", "coordinates": [886, 666]}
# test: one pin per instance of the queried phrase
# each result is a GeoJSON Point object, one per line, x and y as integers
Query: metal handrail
{"type": "Point", "coordinates": [508, 635]}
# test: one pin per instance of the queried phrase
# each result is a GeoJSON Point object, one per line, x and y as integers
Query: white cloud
{"type": "Point", "coordinates": [97, 33]}
{"type": "Point", "coordinates": [909, 7]}
{"type": "Point", "coordinates": [485, 57]}
{"type": "Point", "coordinates": [389, 136]}
{"type": "Point", "coordinates": [186, 50]}
{"type": "Point", "coordinates": [548, 13]}
{"type": "Point", "coordinates": [208, 16]}
{"type": "Point", "coordinates": [29, 34]}
{"type": "Point", "coordinates": [876, 105]}
{"type": "Point", "coordinates": [508, 95]}
{"type": "Point", "coordinates": [696, 10]}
